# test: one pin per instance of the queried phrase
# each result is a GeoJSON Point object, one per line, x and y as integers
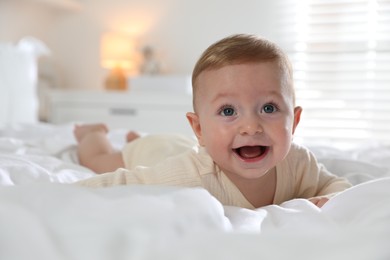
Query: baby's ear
{"type": "Point", "coordinates": [193, 119]}
{"type": "Point", "coordinates": [297, 117]}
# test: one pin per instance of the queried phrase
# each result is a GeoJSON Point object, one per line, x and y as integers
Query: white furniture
{"type": "Point", "coordinates": [180, 84]}
{"type": "Point", "coordinates": [144, 111]}
{"type": "Point", "coordinates": [18, 80]}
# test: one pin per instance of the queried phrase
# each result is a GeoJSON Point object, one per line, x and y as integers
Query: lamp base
{"type": "Point", "coordinates": [116, 80]}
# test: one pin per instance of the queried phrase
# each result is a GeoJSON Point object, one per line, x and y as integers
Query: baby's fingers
{"type": "Point", "coordinates": [319, 201]}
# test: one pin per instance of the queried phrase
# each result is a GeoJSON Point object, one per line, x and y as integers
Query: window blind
{"type": "Point", "coordinates": [340, 52]}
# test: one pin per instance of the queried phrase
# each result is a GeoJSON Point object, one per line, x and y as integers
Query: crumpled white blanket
{"type": "Point", "coordinates": [61, 221]}
{"type": "Point", "coordinates": [39, 153]}
{"type": "Point", "coordinates": [42, 216]}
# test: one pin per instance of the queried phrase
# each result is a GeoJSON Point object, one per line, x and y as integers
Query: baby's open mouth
{"type": "Point", "coordinates": [251, 152]}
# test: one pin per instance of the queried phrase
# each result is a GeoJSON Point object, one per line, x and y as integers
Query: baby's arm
{"type": "Point", "coordinates": [315, 182]}
{"type": "Point", "coordinates": [328, 186]}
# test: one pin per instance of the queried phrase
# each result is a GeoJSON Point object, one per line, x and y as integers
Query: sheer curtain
{"type": "Point", "coordinates": [340, 51]}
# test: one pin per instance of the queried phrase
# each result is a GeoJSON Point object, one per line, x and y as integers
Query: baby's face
{"type": "Point", "coordinates": [245, 117]}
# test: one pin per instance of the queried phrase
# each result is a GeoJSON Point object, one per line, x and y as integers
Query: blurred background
{"type": "Point", "coordinates": [340, 51]}
{"type": "Point", "coordinates": [178, 30]}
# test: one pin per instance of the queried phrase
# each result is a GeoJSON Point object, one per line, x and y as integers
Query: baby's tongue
{"type": "Point", "coordinates": [250, 151]}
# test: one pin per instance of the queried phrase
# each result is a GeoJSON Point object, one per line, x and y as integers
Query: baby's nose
{"type": "Point", "coordinates": [251, 127]}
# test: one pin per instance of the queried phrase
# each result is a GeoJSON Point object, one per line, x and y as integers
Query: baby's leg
{"type": "Point", "coordinates": [95, 150]}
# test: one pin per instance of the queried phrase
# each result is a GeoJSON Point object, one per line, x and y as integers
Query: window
{"type": "Point", "coordinates": [340, 50]}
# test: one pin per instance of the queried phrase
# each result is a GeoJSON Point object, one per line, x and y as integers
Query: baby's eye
{"type": "Point", "coordinates": [269, 108]}
{"type": "Point", "coordinates": [227, 111]}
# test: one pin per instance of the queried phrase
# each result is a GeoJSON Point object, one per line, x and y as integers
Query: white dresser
{"type": "Point", "coordinates": [143, 111]}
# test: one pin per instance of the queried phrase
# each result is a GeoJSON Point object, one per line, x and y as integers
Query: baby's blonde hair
{"type": "Point", "coordinates": [238, 49]}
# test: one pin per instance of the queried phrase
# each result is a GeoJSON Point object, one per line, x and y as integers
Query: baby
{"type": "Point", "coordinates": [244, 119]}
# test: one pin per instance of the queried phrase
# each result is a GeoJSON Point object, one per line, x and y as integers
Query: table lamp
{"type": "Point", "coordinates": [116, 55]}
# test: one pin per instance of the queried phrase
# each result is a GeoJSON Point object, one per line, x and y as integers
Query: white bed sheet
{"type": "Point", "coordinates": [42, 216]}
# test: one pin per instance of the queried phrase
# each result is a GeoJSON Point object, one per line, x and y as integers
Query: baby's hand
{"type": "Point", "coordinates": [319, 201]}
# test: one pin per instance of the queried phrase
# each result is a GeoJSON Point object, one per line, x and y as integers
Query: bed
{"type": "Point", "coordinates": [43, 215]}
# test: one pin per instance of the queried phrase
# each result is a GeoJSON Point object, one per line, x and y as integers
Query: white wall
{"type": "Point", "coordinates": [20, 18]}
{"type": "Point", "coordinates": [179, 30]}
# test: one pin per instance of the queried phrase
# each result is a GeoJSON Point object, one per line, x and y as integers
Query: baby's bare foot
{"type": "Point", "coordinates": [80, 131]}
{"type": "Point", "coordinates": [131, 136]}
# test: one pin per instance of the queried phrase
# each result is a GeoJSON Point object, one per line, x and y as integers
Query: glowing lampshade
{"type": "Point", "coordinates": [117, 55]}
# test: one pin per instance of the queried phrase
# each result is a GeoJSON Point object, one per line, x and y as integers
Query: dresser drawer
{"type": "Point", "coordinates": [148, 114]}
